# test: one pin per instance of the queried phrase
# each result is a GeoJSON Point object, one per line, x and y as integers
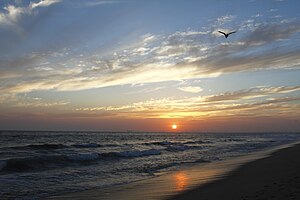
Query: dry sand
{"type": "Point", "coordinates": [274, 177]}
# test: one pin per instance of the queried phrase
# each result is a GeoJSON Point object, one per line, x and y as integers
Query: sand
{"type": "Point", "coordinates": [261, 175]}
{"type": "Point", "coordinates": [274, 177]}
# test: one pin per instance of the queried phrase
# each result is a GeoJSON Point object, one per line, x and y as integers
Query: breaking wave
{"type": "Point", "coordinates": [52, 161]}
{"type": "Point", "coordinates": [50, 146]}
{"type": "Point", "coordinates": [40, 146]}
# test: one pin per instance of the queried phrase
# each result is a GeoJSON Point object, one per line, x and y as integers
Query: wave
{"type": "Point", "coordinates": [83, 157]}
{"type": "Point", "coordinates": [175, 148]}
{"type": "Point", "coordinates": [50, 146]}
{"type": "Point", "coordinates": [93, 145]}
{"type": "Point", "coordinates": [31, 163]}
{"type": "Point", "coordinates": [45, 146]}
{"type": "Point", "coordinates": [162, 143]}
{"type": "Point", "coordinates": [233, 140]}
{"type": "Point", "coordinates": [53, 161]}
{"type": "Point", "coordinates": [168, 143]}
{"type": "Point", "coordinates": [165, 166]}
{"type": "Point", "coordinates": [132, 154]}
{"type": "Point", "coordinates": [45, 162]}
{"type": "Point", "coordinates": [88, 145]}
{"type": "Point", "coordinates": [198, 142]}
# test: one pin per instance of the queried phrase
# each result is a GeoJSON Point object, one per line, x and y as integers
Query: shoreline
{"type": "Point", "coordinates": [183, 183]}
{"type": "Point", "coordinates": [276, 176]}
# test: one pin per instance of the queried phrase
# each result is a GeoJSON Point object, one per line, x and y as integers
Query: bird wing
{"type": "Point", "coordinates": [231, 32]}
{"type": "Point", "coordinates": [222, 32]}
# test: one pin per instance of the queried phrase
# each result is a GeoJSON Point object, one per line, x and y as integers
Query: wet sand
{"type": "Point", "coordinates": [274, 177]}
{"type": "Point", "coordinates": [262, 177]}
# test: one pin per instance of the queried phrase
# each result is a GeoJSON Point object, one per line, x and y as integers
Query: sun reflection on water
{"type": "Point", "coordinates": [181, 181]}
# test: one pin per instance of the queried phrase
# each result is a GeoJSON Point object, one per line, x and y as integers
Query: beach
{"type": "Point", "coordinates": [273, 177]}
{"type": "Point", "coordinates": [272, 174]}
{"type": "Point", "coordinates": [149, 100]}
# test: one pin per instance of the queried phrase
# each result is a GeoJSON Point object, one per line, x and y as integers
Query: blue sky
{"type": "Point", "coordinates": [104, 65]}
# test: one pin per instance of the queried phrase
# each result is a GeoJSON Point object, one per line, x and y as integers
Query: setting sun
{"type": "Point", "coordinates": [174, 126]}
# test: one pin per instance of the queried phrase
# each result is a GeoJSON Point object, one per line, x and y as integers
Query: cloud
{"type": "Point", "coordinates": [98, 3]}
{"type": "Point", "coordinates": [192, 89]}
{"type": "Point", "coordinates": [14, 101]}
{"type": "Point", "coordinates": [273, 10]}
{"type": "Point", "coordinates": [225, 19]}
{"type": "Point", "coordinates": [241, 56]}
{"type": "Point", "coordinates": [231, 63]}
{"type": "Point", "coordinates": [251, 93]}
{"type": "Point", "coordinates": [147, 90]}
{"type": "Point", "coordinates": [272, 32]}
{"type": "Point", "coordinates": [189, 33]}
{"type": "Point", "coordinates": [12, 14]}
{"type": "Point", "coordinates": [237, 103]}
{"type": "Point", "coordinates": [185, 54]}
{"type": "Point", "coordinates": [257, 15]}
{"type": "Point", "coordinates": [38, 103]}
{"type": "Point", "coordinates": [148, 38]}
{"type": "Point", "coordinates": [43, 3]}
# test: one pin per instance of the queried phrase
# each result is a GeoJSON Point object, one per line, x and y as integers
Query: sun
{"type": "Point", "coordinates": [174, 126]}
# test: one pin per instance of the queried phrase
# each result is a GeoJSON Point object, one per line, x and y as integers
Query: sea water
{"type": "Point", "coordinates": [36, 165]}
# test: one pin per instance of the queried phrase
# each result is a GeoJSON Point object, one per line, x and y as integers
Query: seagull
{"type": "Point", "coordinates": [226, 34]}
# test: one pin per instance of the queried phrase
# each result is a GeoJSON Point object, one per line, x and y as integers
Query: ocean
{"type": "Point", "coordinates": [36, 165]}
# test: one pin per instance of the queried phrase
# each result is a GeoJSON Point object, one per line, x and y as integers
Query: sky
{"type": "Point", "coordinates": [143, 65]}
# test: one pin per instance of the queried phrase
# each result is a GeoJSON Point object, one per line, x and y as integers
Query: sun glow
{"type": "Point", "coordinates": [181, 181]}
{"type": "Point", "coordinates": [174, 126]}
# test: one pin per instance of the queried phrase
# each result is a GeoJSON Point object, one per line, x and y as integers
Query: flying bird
{"type": "Point", "coordinates": [226, 34]}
